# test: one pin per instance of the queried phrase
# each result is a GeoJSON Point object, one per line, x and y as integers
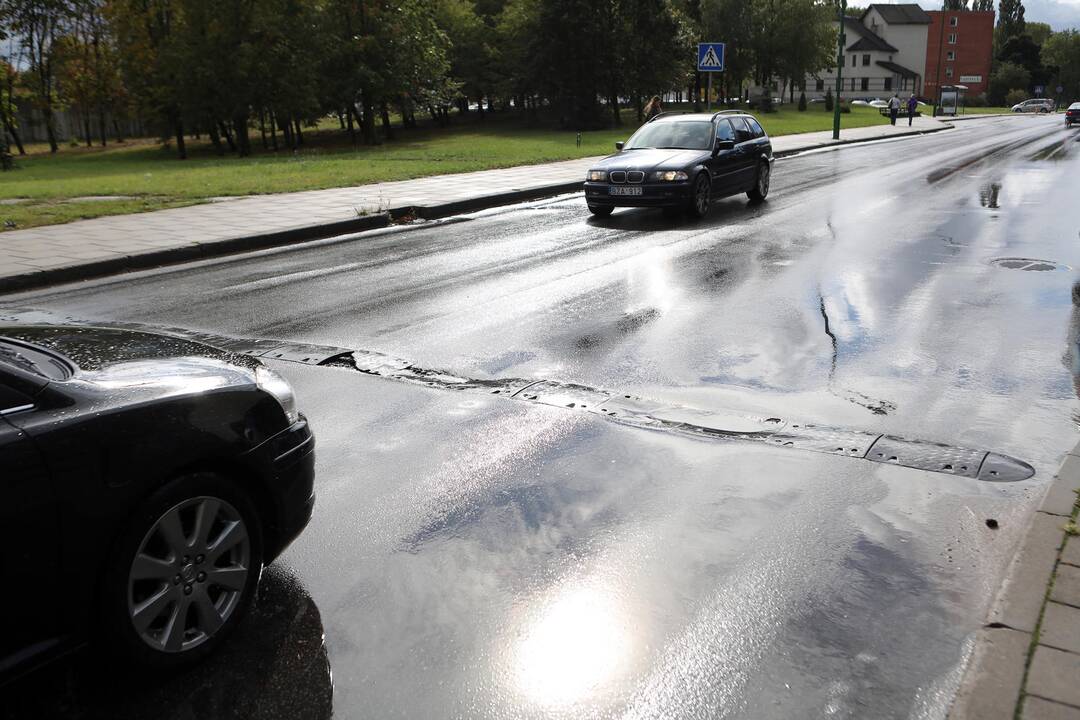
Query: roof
{"type": "Point", "coordinates": [867, 39]}
{"type": "Point", "coordinates": [898, 69]}
{"type": "Point", "coordinates": [900, 14]}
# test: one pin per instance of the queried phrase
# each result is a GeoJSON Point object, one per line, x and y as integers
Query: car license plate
{"type": "Point", "coordinates": [624, 191]}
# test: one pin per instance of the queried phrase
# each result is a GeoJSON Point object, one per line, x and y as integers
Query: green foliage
{"type": "Point", "coordinates": [1006, 77]}
{"type": "Point", "coordinates": [1062, 51]}
{"type": "Point", "coordinates": [1011, 21]}
{"type": "Point", "coordinates": [1015, 96]}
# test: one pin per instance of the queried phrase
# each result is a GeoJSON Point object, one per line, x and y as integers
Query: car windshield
{"type": "Point", "coordinates": [682, 135]}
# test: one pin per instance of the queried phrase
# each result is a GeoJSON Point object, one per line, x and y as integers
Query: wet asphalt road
{"type": "Point", "coordinates": [472, 556]}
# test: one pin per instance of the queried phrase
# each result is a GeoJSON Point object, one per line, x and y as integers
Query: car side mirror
{"type": "Point", "coordinates": [723, 145]}
{"type": "Point", "coordinates": [619, 145]}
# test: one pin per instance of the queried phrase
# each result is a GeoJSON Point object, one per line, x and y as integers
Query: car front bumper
{"type": "Point", "coordinates": [286, 463]}
{"type": "Point", "coordinates": [671, 194]}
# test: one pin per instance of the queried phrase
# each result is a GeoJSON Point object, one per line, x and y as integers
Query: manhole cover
{"type": "Point", "coordinates": [1017, 263]}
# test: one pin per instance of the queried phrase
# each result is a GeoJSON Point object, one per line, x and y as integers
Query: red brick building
{"type": "Point", "coordinates": [959, 48]}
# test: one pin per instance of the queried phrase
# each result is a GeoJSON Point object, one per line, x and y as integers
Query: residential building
{"type": "Point", "coordinates": [884, 53]}
{"type": "Point", "coordinates": [959, 50]}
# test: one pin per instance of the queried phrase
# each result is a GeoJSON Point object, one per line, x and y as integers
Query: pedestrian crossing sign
{"type": "Point", "coordinates": [710, 57]}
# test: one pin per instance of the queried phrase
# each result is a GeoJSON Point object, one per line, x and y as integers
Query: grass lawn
{"type": "Point", "coordinates": [149, 177]}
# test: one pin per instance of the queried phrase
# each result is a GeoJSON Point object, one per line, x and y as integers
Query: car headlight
{"type": "Point", "coordinates": [669, 175]}
{"type": "Point", "coordinates": [277, 386]}
{"type": "Point", "coordinates": [596, 176]}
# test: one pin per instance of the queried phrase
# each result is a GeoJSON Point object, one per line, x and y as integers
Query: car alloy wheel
{"type": "Point", "coordinates": [189, 574]}
{"type": "Point", "coordinates": [764, 175]}
{"type": "Point", "coordinates": [701, 196]}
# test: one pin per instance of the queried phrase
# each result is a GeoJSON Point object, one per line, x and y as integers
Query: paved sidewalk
{"type": "Point", "coordinates": [102, 246]}
{"type": "Point", "coordinates": [1026, 662]}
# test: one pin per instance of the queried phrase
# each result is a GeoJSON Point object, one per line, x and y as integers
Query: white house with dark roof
{"type": "Point", "coordinates": [884, 53]}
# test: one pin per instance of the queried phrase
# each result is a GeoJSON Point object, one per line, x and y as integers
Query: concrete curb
{"type": "Point", "coordinates": [858, 141]}
{"type": "Point", "coordinates": [204, 251]}
{"type": "Point", "coordinates": [1003, 672]}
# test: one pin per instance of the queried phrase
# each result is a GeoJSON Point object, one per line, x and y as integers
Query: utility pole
{"type": "Point", "coordinates": [841, 11]}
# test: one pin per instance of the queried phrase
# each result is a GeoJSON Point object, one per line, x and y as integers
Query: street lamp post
{"type": "Point", "coordinates": [841, 10]}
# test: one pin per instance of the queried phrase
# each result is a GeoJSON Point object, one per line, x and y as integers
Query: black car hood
{"type": "Point", "coordinates": [93, 348]}
{"type": "Point", "coordinates": [647, 159]}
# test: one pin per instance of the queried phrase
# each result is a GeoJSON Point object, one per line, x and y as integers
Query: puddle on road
{"type": "Point", "coordinates": [639, 412]}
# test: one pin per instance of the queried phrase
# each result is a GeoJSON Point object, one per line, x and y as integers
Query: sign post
{"type": "Point", "coordinates": [710, 59]}
{"type": "Point", "coordinates": [841, 10]}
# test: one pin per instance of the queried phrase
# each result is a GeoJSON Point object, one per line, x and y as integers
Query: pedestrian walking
{"type": "Point", "coordinates": [912, 103]}
{"type": "Point", "coordinates": [652, 108]}
{"type": "Point", "coordinates": [894, 107]}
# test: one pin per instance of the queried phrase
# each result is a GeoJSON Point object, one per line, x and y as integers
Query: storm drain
{"type": "Point", "coordinates": [1034, 264]}
{"type": "Point", "coordinates": [640, 412]}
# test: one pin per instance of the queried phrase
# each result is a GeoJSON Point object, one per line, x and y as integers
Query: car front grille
{"type": "Point", "coordinates": [617, 176]}
{"type": "Point", "coordinates": [635, 176]}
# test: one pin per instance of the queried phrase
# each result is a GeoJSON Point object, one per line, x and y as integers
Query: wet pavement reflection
{"type": "Point", "coordinates": [275, 666]}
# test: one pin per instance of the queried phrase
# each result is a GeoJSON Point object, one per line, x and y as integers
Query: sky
{"type": "Point", "coordinates": [1061, 14]}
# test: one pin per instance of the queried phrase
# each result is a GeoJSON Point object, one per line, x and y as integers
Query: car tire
{"type": "Point", "coordinates": [170, 566]}
{"type": "Point", "coordinates": [700, 196]}
{"type": "Point", "coordinates": [761, 183]}
{"type": "Point", "coordinates": [601, 210]}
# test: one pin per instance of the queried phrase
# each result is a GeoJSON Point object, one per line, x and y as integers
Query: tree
{"type": "Point", "coordinates": [982, 5]}
{"type": "Point", "coordinates": [38, 24]}
{"type": "Point", "coordinates": [1008, 76]}
{"type": "Point", "coordinates": [10, 95]}
{"type": "Point", "coordinates": [1062, 50]}
{"type": "Point", "coordinates": [1010, 19]}
{"type": "Point", "coordinates": [954, 5]}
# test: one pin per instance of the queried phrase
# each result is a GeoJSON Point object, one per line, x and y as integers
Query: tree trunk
{"type": "Point", "coordinates": [240, 129]}
{"type": "Point", "coordinates": [388, 132]}
{"type": "Point", "coordinates": [613, 100]}
{"type": "Point", "coordinates": [118, 130]}
{"type": "Point", "coordinates": [14, 135]}
{"type": "Point", "coordinates": [273, 131]}
{"type": "Point", "coordinates": [286, 130]}
{"type": "Point", "coordinates": [102, 126]}
{"type": "Point", "coordinates": [181, 148]}
{"type": "Point", "coordinates": [86, 129]}
{"type": "Point", "coordinates": [367, 125]}
{"type": "Point", "coordinates": [228, 135]}
{"type": "Point", "coordinates": [299, 132]}
{"type": "Point", "coordinates": [262, 127]}
{"type": "Point", "coordinates": [50, 131]}
{"type": "Point", "coordinates": [697, 92]}
{"type": "Point", "coordinates": [215, 139]}
{"type": "Point", "coordinates": [349, 122]}
{"type": "Point", "coordinates": [341, 119]}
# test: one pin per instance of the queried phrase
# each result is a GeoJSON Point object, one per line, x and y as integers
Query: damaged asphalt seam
{"type": "Point", "coordinates": [640, 412]}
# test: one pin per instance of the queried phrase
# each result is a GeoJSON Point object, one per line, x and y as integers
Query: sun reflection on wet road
{"type": "Point", "coordinates": [578, 644]}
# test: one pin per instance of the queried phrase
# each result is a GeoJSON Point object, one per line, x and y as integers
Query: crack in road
{"type": "Point", "coordinates": [635, 411]}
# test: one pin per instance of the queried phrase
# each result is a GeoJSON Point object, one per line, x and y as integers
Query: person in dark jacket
{"type": "Point", "coordinates": [912, 105]}
{"type": "Point", "coordinates": [894, 108]}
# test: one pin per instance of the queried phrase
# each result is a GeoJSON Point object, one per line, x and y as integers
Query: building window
{"type": "Point", "coordinates": [888, 83]}
{"type": "Point", "coordinates": [820, 86]}
{"type": "Point", "coordinates": [865, 60]}
{"type": "Point", "coordinates": [952, 38]}
{"type": "Point", "coordinates": [865, 84]}
{"type": "Point", "coordinates": [954, 21]}
{"type": "Point", "coordinates": [852, 83]}
{"type": "Point", "coordinates": [948, 72]}
{"type": "Point", "coordinates": [950, 56]}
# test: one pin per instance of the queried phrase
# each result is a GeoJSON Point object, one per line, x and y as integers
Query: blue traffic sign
{"type": "Point", "coordinates": [710, 57]}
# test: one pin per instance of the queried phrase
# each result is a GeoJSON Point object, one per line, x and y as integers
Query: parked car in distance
{"type": "Point", "coordinates": [146, 481]}
{"type": "Point", "coordinates": [878, 104]}
{"type": "Point", "coordinates": [684, 161]}
{"type": "Point", "coordinates": [1037, 105]}
{"type": "Point", "coordinates": [1072, 115]}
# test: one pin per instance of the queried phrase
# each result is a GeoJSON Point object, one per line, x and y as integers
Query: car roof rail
{"type": "Point", "coordinates": [718, 113]}
{"type": "Point", "coordinates": [669, 112]}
